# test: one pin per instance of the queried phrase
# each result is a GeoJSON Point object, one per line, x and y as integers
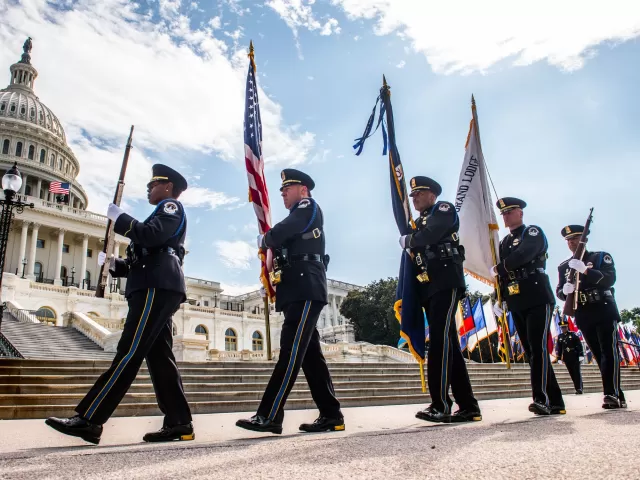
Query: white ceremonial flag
{"type": "Point", "coordinates": [478, 225]}
{"type": "Point", "coordinates": [489, 317]}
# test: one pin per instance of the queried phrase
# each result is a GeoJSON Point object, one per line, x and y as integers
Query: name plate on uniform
{"type": "Point", "coordinates": [423, 277]}
{"type": "Point", "coordinates": [513, 288]}
{"type": "Point", "coordinates": [275, 277]}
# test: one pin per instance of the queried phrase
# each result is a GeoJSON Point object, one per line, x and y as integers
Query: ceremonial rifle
{"type": "Point", "coordinates": [110, 234]}
{"type": "Point", "coordinates": [571, 303]}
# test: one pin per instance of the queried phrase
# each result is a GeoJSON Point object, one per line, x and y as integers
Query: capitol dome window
{"type": "Point", "coordinates": [3, 107]}
{"type": "Point", "coordinates": [5, 147]}
{"type": "Point", "coordinates": [41, 117]}
{"type": "Point", "coordinates": [12, 109]}
{"type": "Point", "coordinates": [43, 156]}
{"type": "Point", "coordinates": [59, 164]}
{"type": "Point", "coordinates": [23, 110]}
{"type": "Point", "coordinates": [32, 152]}
{"type": "Point", "coordinates": [230, 340]}
{"type": "Point", "coordinates": [52, 160]}
{"type": "Point", "coordinates": [19, 149]}
{"type": "Point", "coordinates": [32, 113]}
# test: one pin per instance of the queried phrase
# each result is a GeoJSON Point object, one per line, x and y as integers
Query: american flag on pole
{"type": "Point", "coordinates": [258, 193]}
{"type": "Point", "coordinates": [58, 187]}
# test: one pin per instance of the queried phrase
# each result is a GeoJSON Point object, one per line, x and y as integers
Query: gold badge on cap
{"type": "Point", "coordinates": [501, 203]}
{"type": "Point", "coordinates": [567, 230]}
{"type": "Point", "coordinates": [413, 183]}
{"type": "Point", "coordinates": [282, 175]}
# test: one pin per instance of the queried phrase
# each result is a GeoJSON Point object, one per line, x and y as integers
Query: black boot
{"type": "Point", "coordinates": [324, 424]}
{"type": "Point", "coordinates": [258, 423]}
{"type": "Point", "coordinates": [579, 391]}
{"type": "Point", "coordinates": [77, 427]}
{"type": "Point", "coordinates": [610, 402]}
{"type": "Point", "coordinates": [539, 408]}
{"type": "Point", "coordinates": [464, 415]}
{"type": "Point", "coordinates": [430, 414]}
{"type": "Point", "coordinates": [169, 434]}
{"type": "Point", "coordinates": [558, 410]}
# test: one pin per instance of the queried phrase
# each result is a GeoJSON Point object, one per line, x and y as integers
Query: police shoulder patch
{"type": "Point", "coordinates": [607, 259]}
{"type": "Point", "coordinates": [304, 203]}
{"type": "Point", "coordinates": [533, 231]}
{"type": "Point", "coordinates": [170, 208]}
{"type": "Point", "coordinates": [444, 207]}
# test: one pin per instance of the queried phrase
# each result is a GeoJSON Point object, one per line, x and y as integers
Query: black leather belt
{"type": "Point", "coordinates": [524, 273]}
{"type": "Point", "coordinates": [154, 251]}
{"type": "Point", "coordinates": [306, 257]}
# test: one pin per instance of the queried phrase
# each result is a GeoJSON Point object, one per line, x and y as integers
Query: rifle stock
{"type": "Point", "coordinates": [571, 302]}
{"type": "Point", "coordinates": [109, 236]}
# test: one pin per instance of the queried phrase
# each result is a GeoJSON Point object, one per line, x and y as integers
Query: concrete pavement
{"type": "Point", "coordinates": [379, 443]}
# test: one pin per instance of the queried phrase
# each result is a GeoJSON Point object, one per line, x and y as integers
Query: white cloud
{"type": "Point", "coordinates": [466, 36]}
{"type": "Point", "coordinates": [235, 289]}
{"type": "Point", "coordinates": [202, 197]}
{"type": "Point", "coordinates": [356, 38]}
{"type": "Point", "coordinates": [310, 77]}
{"type": "Point", "coordinates": [401, 64]}
{"type": "Point", "coordinates": [103, 66]}
{"type": "Point", "coordinates": [236, 254]}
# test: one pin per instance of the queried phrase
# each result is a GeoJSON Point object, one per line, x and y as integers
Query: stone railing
{"type": "Point", "coordinates": [22, 315]}
{"type": "Point", "coordinates": [363, 351]}
{"type": "Point", "coordinates": [93, 330]}
{"type": "Point", "coordinates": [387, 351]}
{"type": "Point", "coordinates": [244, 356]}
{"type": "Point", "coordinates": [41, 204]}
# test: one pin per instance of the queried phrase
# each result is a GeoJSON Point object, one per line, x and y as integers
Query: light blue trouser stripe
{"type": "Point", "coordinates": [545, 353]}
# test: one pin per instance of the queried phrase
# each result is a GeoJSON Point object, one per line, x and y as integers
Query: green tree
{"type": "Point", "coordinates": [474, 296]}
{"type": "Point", "coordinates": [631, 316]}
{"type": "Point", "coordinates": [371, 312]}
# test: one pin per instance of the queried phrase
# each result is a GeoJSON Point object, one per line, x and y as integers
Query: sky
{"type": "Point", "coordinates": [555, 85]}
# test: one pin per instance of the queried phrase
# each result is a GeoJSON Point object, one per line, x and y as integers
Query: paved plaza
{"type": "Point", "coordinates": [379, 443]}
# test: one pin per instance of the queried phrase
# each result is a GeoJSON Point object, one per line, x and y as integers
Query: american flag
{"type": "Point", "coordinates": [258, 193]}
{"type": "Point", "coordinates": [57, 187]}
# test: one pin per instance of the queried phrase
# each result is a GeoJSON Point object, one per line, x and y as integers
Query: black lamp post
{"type": "Point", "coordinates": [73, 276]}
{"type": "Point", "coordinates": [11, 183]}
{"type": "Point", "coordinates": [24, 265]}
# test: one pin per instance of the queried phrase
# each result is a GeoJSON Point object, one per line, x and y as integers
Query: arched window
{"type": "Point", "coordinates": [19, 149]}
{"type": "Point", "coordinates": [32, 152]}
{"type": "Point", "coordinates": [3, 106]}
{"type": "Point", "coordinates": [202, 330]}
{"type": "Point", "coordinates": [256, 341]}
{"type": "Point", "coordinates": [41, 117]}
{"type": "Point", "coordinates": [32, 113]}
{"type": "Point", "coordinates": [43, 156]}
{"type": "Point", "coordinates": [52, 160]}
{"type": "Point", "coordinates": [23, 110]}
{"type": "Point", "coordinates": [230, 340]}
{"type": "Point", "coordinates": [46, 315]}
{"type": "Point", "coordinates": [13, 108]}
{"type": "Point", "coordinates": [59, 164]}
{"type": "Point", "coordinates": [174, 329]}
{"type": "Point", "coordinates": [37, 270]}
{"type": "Point", "coordinates": [5, 147]}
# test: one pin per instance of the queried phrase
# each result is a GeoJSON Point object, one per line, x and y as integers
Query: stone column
{"type": "Point", "coordinates": [38, 188]}
{"type": "Point", "coordinates": [57, 280]}
{"type": "Point", "coordinates": [32, 252]}
{"type": "Point", "coordinates": [23, 245]}
{"type": "Point", "coordinates": [25, 177]}
{"type": "Point", "coordinates": [334, 318]}
{"type": "Point", "coordinates": [83, 261]}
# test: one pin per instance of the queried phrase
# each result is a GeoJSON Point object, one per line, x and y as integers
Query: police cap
{"type": "Point", "coordinates": [162, 173]}
{"type": "Point", "coordinates": [425, 183]}
{"type": "Point", "coordinates": [291, 176]}
{"type": "Point", "coordinates": [563, 322]}
{"type": "Point", "coordinates": [506, 204]}
{"type": "Point", "coordinates": [571, 231]}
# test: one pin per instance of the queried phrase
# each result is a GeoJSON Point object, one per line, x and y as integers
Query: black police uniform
{"type": "Point", "coordinates": [597, 314]}
{"type": "Point", "coordinates": [155, 289]}
{"type": "Point", "coordinates": [300, 262]}
{"type": "Point", "coordinates": [569, 349]}
{"type": "Point", "coordinates": [525, 287]}
{"type": "Point", "coordinates": [437, 252]}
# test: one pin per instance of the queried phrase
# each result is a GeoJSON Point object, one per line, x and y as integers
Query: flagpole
{"type": "Point", "coordinates": [494, 254]}
{"type": "Point", "coordinates": [479, 346]}
{"type": "Point", "coordinates": [267, 323]}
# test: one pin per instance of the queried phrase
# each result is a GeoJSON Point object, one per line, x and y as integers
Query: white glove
{"type": "Point", "coordinates": [263, 292]}
{"type": "Point", "coordinates": [568, 288]}
{"type": "Point", "coordinates": [581, 359]}
{"type": "Point", "coordinates": [497, 310]}
{"type": "Point", "coordinates": [113, 212]}
{"type": "Point", "coordinates": [404, 241]}
{"type": "Point", "coordinates": [577, 265]}
{"type": "Point", "coordinates": [260, 237]}
{"type": "Point", "coordinates": [101, 257]}
{"type": "Point", "coordinates": [494, 270]}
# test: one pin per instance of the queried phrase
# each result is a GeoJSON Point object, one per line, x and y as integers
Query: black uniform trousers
{"type": "Point", "coordinates": [602, 339]}
{"type": "Point", "coordinates": [532, 326]}
{"type": "Point", "coordinates": [146, 336]}
{"type": "Point", "coordinates": [300, 347]}
{"type": "Point", "coordinates": [573, 365]}
{"type": "Point", "coordinates": [445, 363]}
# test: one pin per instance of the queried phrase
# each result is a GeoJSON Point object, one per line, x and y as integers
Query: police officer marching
{"type": "Point", "coordinates": [569, 350]}
{"type": "Point", "coordinates": [298, 243]}
{"type": "Point", "coordinates": [596, 313]}
{"type": "Point", "coordinates": [154, 291]}
{"type": "Point", "coordinates": [529, 297]}
{"type": "Point", "coordinates": [438, 258]}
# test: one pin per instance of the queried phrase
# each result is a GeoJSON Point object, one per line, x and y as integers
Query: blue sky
{"type": "Point", "coordinates": [556, 92]}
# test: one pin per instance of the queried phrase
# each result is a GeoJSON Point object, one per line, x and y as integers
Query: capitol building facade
{"type": "Point", "coordinates": [51, 269]}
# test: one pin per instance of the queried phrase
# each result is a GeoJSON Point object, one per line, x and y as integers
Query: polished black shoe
{"type": "Point", "coordinates": [324, 424]}
{"type": "Point", "coordinates": [430, 414]}
{"type": "Point", "coordinates": [258, 423]}
{"type": "Point", "coordinates": [463, 415]}
{"type": "Point", "coordinates": [539, 408]}
{"type": "Point", "coordinates": [579, 391]}
{"type": "Point", "coordinates": [558, 410]}
{"type": "Point", "coordinates": [611, 403]}
{"type": "Point", "coordinates": [169, 434]}
{"type": "Point", "coordinates": [77, 427]}
{"type": "Point", "coordinates": [623, 403]}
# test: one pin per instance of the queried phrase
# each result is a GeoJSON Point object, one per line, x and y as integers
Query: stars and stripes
{"type": "Point", "coordinates": [258, 193]}
{"type": "Point", "coordinates": [59, 187]}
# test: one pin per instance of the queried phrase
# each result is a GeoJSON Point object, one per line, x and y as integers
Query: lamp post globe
{"type": "Point", "coordinates": [12, 180]}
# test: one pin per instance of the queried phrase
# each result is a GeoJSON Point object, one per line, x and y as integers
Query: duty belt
{"type": "Point", "coordinates": [306, 257]}
{"type": "Point", "coordinates": [153, 251]}
{"type": "Point", "coordinates": [594, 296]}
{"type": "Point", "coordinates": [524, 273]}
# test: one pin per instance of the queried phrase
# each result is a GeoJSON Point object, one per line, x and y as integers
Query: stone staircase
{"type": "Point", "coordinates": [39, 340]}
{"type": "Point", "coordinates": [41, 388]}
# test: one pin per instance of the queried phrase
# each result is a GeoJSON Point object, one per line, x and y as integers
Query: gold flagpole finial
{"type": "Point", "coordinates": [384, 81]}
{"type": "Point", "coordinates": [473, 101]}
{"type": "Point", "coordinates": [251, 55]}
{"type": "Point", "coordinates": [251, 47]}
